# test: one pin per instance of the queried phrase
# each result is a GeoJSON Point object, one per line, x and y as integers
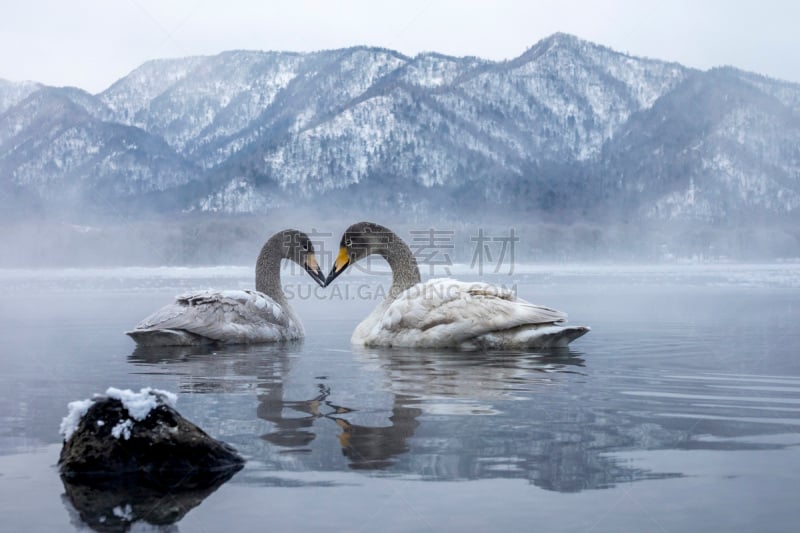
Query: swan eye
{"type": "Point", "coordinates": [348, 242]}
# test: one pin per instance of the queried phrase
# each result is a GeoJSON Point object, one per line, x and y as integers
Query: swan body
{"type": "Point", "coordinates": [450, 313]}
{"type": "Point", "coordinates": [235, 316]}
{"type": "Point", "coordinates": [226, 316]}
{"type": "Point", "coordinates": [443, 312]}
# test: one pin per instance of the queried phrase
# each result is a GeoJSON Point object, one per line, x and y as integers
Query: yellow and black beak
{"type": "Point", "coordinates": [313, 269]}
{"type": "Point", "coordinates": [341, 264]}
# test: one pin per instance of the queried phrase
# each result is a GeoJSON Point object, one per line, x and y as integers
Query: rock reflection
{"type": "Point", "coordinates": [121, 506]}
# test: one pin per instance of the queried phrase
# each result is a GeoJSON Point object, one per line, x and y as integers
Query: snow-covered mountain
{"type": "Point", "coordinates": [568, 129]}
{"type": "Point", "coordinates": [58, 146]}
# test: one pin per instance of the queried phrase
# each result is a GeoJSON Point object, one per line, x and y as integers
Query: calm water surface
{"type": "Point", "coordinates": [680, 411]}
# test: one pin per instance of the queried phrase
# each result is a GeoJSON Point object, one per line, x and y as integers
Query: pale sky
{"type": "Point", "coordinates": [92, 43]}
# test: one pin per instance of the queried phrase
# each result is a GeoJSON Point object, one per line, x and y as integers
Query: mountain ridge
{"type": "Point", "coordinates": [568, 129]}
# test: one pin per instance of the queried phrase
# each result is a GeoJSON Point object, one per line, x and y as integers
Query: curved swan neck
{"type": "Point", "coordinates": [405, 272]}
{"type": "Point", "coordinates": [268, 269]}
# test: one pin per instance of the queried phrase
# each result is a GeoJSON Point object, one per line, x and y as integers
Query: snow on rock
{"type": "Point", "coordinates": [138, 405]}
{"type": "Point", "coordinates": [75, 412]}
{"type": "Point", "coordinates": [122, 429]}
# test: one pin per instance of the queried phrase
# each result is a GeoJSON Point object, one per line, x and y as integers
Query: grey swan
{"type": "Point", "coordinates": [236, 316]}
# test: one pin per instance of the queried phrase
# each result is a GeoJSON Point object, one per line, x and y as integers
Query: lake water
{"type": "Point", "coordinates": [679, 411]}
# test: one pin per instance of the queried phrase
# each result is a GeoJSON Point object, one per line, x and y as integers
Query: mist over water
{"type": "Point", "coordinates": [206, 240]}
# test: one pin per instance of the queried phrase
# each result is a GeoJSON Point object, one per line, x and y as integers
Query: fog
{"type": "Point", "coordinates": [438, 240]}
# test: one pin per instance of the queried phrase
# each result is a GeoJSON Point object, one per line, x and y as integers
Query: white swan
{"type": "Point", "coordinates": [444, 312]}
{"type": "Point", "coordinates": [236, 316]}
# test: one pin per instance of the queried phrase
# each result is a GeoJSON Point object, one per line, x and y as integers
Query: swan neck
{"type": "Point", "coordinates": [268, 269]}
{"type": "Point", "coordinates": [405, 272]}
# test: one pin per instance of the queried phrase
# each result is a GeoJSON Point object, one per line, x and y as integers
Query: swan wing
{"type": "Point", "coordinates": [230, 315]}
{"type": "Point", "coordinates": [449, 312]}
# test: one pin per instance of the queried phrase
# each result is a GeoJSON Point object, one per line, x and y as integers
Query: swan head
{"type": "Point", "coordinates": [298, 247]}
{"type": "Point", "coordinates": [359, 241]}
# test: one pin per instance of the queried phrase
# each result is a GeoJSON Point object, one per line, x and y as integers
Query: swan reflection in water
{"type": "Point", "coordinates": [295, 423]}
{"type": "Point", "coordinates": [451, 416]}
{"type": "Point", "coordinates": [366, 447]}
{"type": "Point", "coordinates": [439, 415]}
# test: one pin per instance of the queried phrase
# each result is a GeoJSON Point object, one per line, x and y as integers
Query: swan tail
{"type": "Point", "coordinates": [560, 339]}
{"type": "Point", "coordinates": [549, 336]}
{"type": "Point", "coordinates": [167, 337]}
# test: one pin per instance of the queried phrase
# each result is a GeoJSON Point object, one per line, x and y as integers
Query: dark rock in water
{"type": "Point", "coordinates": [117, 504]}
{"type": "Point", "coordinates": [141, 437]}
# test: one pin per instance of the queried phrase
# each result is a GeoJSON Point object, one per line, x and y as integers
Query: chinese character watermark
{"type": "Point", "coordinates": [316, 238]}
{"type": "Point", "coordinates": [482, 251]}
{"type": "Point", "coordinates": [492, 252]}
{"type": "Point", "coordinates": [430, 247]}
{"type": "Point", "coordinates": [377, 244]}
